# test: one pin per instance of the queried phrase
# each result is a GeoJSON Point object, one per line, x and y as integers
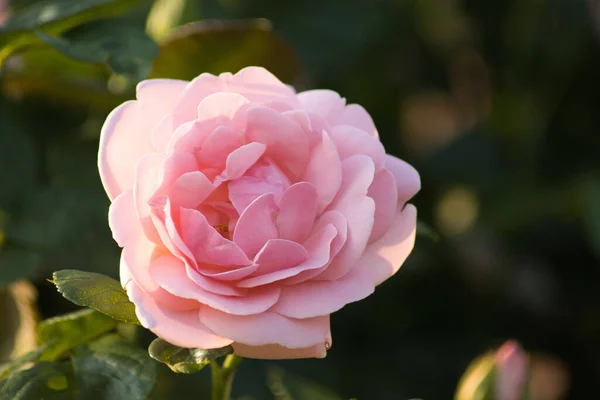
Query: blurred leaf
{"type": "Point", "coordinates": [46, 380]}
{"type": "Point", "coordinates": [167, 15]}
{"type": "Point", "coordinates": [111, 369]}
{"type": "Point", "coordinates": [217, 46]}
{"type": "Point", "coordinates": [478, 381]}
{"type": "Point", "coordinates": [96, 291]}
{"type": "Point", "coordinates": [288, 387]}
{"type": "Point", "coordinates": [183, 360]}
{"type": "Point", "coordinates": [18, 158]}
{"type": "Point", "coordinates": [53, 16]}
{"type": "Point", "coordinates": [47, 74]}
{"type": "Point", "coordinates": [17, 263]}
{"type": "Point", "coordinates": [65, 332]}
{"type": "Point", "coordinates": [14, 365]}
{"type": "Point", "coordinates": [123, 46]}
{"type": "Point", "coordinates": [18, 318]}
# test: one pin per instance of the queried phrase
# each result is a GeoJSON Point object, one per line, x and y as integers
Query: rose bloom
{"type": "Point", "coordinates": [248, 213]}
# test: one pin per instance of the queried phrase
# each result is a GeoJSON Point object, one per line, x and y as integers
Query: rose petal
{"type": "Point", "coordinates": [191, 189]}
{"type": "Point", "coordinates": [206, 244]}
{"type": "Point", "coordinates": [297, 210]}
{"type": "Point", "coordinates": [356, 115]}
{"type": "Point", "coordinates": [122, 218]}
{"type": "Point", "coordinates": [324, 170]}
{"type": "Point", "coordinates": [286, 142]}
{"type": "Point", "coordinates": [386, 256]}
{"type": "Point", "coordinates": [181, 328]}
{"type": "Point", "coordinates": [314, 298]}
{"type": "Point", "coordinates": [213, 285]}
{"type": "Point", "coordinates": [217, 147]}
{"type": "Point", "coordinates": [407, 178]}
{"type": "Point", "coordinates": [279, 254]}
{"type": "Point", "coordinates": [350, 141]}
{"type": "Point", "coordinates": [169, 273]}
{"type": "Point", "coordinates": [267, 328]}
{"type": "Point", "coordinates": [326, 103]}
{"type": "Point", "coordinates": [383, 192]}
{"type": "Point", "coordinates": [126, 135]}
{"type": "Point", "coordinates": [220, 105]}
{"type": "Point", "coordinates": [318, 247]}
{"type": "Point", "coordinates": [255, 226]}
{"type": "Point", "coordinates": [240, 160]}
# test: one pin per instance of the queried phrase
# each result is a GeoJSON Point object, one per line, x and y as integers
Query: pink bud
{"type": "Point", "coordinates": [511, 371]}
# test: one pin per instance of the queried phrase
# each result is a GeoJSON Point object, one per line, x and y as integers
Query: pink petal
{"type": "Point", "coordinates": [318, 247]}
{"type": "Point", "coordinates": [215, 150]}
{"type": "Point", "coordinates": [223, 104]}
{"type": "Point", "coordinates": [386, 256]}
{"type": "Point", "coordinates": [324, 170]}
{"type": "Point", "coordinates": [146, 182]}
{"type": "Point", "coordinates": [314, 298]}
{"type": "Point", "coordinates": [350, 141]}
{"type": "Point", "coordinates": [162, 132]}
{"type": "Point", "coordinates": [326, 103]}
{"type": "Point", "coordinates": [126, 134]}
{"type": "Point", "coordinates": [356, 115]}
{"type": "Point", "coordinates": [135, 262]}
{"type": "Point", "coordinates": [234, 274]}
{"type": "Point", "coordinates": [170, 274]}
{"type": "Point", "coordinates": [122, 218]}
{"type": "Point", "coordinates": [407, 178]}
{"type": "Point", "coordinates": [240, 160]}
{"type": "Point", "coordinates": [383, 192]}
{"type": "Point", "coordinates": [267, 328]}
{"type": "Point", "coordinates": [124, 140]}
{"type": "Point", "coordinates": [279, 254]}
{"type": "Point", "coordinates": [255, 226]}
{"type": "Point", "coordinates": [181, 328]}
{"type": "Point", "coordinates": [213, 285]}
{"type": "Point", "coordinates": [187, 107]}
{"type": "Point", "coordinates": [358, 209]}
{"type": "Point", "coordinates": [190, 136]}
{"type": "Point", "coordinates": [298, 207]}
{"type": "Point", "coordinates": [277, 352]}
{"type": "Point", "coordinates": [206, 244]}
{"type": "Point", "coordinates": [191, 189]}
{"type": "Point", "coordinates": [260, 86]}
{"type": "Point", "coordinates": [158, 97]}
{"type": "Point", "coordinates": [286, 142]}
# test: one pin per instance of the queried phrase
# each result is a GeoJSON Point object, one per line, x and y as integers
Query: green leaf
{"type": "Point", "coordinates": [14, 365]}
{"type": "Point", "coordinates": [183, 360]}
{"type": "Point", "coordinates": [53, 16]}
{"type": "Point", "coordinates": [45, 380]}
{"type": "Point", "coordinates": [122, 45]}
{"type": "Point", "coordinates": [68, 331]}
{"type": "Point", "coordinates": [288, 387]}
{"type": "Point", "coordinates": [166, 15]}
{"type": "Point", "coordinates": [216, 47]}
{"type": "Point", "coordinates": [96, 291]}
{"type": "Point", "coordinates": [111, 368]}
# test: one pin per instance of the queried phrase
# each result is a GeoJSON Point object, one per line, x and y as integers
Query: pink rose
{"type": "Point", "coordinates": [248, 213]}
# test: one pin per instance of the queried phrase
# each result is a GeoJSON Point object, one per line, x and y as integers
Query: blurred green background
{"type": "Point", "coordinates": [496, 103]}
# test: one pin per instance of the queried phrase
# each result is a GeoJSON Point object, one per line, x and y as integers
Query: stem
{"type": "Point", "coordinates": [222, 377]}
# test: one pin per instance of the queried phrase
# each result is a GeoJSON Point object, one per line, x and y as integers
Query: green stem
{"type": "Point", "coordinates": [222, 377]}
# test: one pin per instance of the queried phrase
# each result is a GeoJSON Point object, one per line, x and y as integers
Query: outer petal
{"type": "Point", "coordinates": [122, 218]}
{"type": "Point", "coordinates": [181, 328]}
{"type": "Point", "coordinates": [385, 256]}
{"type": "Point", "coordinates": [170, 274]}
{"type": "Point", "coordinates": [325, 103]}
{"type": "Point", "coordinates": [277, 352]}
{"type": "Point", "coordinates": [127, 133]}
{"type": "Point", "coordinates": [407, 178]}
{"type": "Point", "coordinates": [383, 192]}
{"type": "Point", "coordinates": [313, 298]}
{"type": "Point", "coordinates": [356, 115]}
{"type": "Point", "coordinates": [267, 328]}
{"type": "Point", "coordinates": [350, 140]}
